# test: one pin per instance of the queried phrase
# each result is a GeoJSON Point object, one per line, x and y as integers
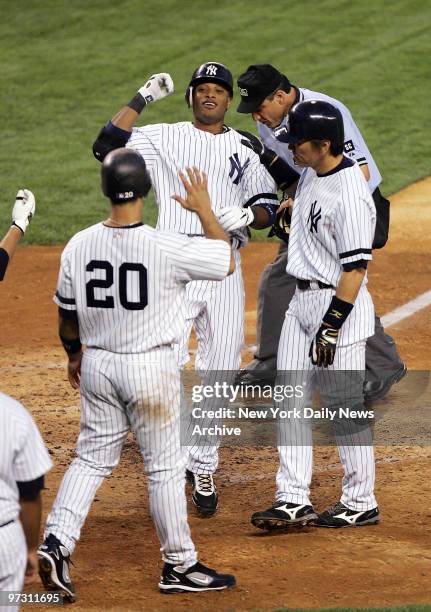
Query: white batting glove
{"type": "Point", "coordinates": [23, 209]}
{"type": "Point", "coordinates": [157, 87]}
{"type": "Point", "coordinates": [233, 217]}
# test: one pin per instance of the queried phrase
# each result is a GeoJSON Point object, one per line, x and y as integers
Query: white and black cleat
{"type": "Point", "coordinates": [54, 559]}
{"type": "Point", "coordinates": [204, 493]}
{"type": "Point", "coordinates": [339, 515]}
{"type": "Point", "coordinates": [194, 579]}
{"type": "Point", "coordinates": [283, 515]}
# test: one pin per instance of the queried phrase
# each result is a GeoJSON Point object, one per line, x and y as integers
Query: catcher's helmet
{"type": "Point", "coordinates": [124, 176]}
{"type": "Point", "coordinates": [210, 72]}
{"type": "Point", "coordinates": [314, 120]}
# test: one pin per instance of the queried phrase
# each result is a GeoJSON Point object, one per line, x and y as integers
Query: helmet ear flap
{"type": "Point", "coordinates": [189, 96]}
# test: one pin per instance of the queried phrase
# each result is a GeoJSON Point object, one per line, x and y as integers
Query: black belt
{"type": "Point", "coordinates": [8, 523]}
{"type": "Point", "coordinates": [307, 284]}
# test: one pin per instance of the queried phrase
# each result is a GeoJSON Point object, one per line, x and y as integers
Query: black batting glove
{"type": "Point", "coordinates": [266, 156]}
{"type": "Point", "coordinates": [322, 349]}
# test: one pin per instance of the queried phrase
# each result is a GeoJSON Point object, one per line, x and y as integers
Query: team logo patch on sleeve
{"type": "Point", "coordinates": [349, 146]}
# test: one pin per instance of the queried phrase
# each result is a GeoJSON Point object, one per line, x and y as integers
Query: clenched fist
{"type": "Point", "coordinates": [23, 209]}
{"type": "Point", "coordinates": [157, 87]}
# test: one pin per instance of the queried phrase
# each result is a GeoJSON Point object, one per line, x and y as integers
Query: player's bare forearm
{"type": "Point", "coordinates": [30, 517]}
{"type": "Point", "coordinates": [11, 240]}
{"type": "Point", "coordinates": [68, 328]}
{"type": "Point", "coordinates": [365, 171]}
{"type": "Point", "coordinates": [349, 284]}
{"type": "Point", "coordinates": [125, 118]}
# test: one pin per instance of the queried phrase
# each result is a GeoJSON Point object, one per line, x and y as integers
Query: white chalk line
{"type": "Point", "coordinates": [407, 310]}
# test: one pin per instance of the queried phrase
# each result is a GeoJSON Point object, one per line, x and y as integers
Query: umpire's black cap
{"type": "Point", "coordinates": [124, 176]}
{"type": "Point", "coordinates": [257, 83]}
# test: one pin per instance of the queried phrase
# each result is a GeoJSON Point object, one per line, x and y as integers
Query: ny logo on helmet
{"type": "Point", "coordinates": [235, 166]}
{"type": "Point", "coordinates": [211, 70]}
{"type": "Point", "coordinates": [243, 92]}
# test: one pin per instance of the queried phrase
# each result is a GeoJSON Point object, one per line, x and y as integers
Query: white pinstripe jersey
{"type": "Point", "coordinates": [354, 145]}
{"type": "Point", "coordinates": [235, 175]}
{"type": "Point", "coordinates": [127, 284]}
{"type": "Point", "coordinates": [333, 223]}
{"type": "Point", "coordinates": [23, 455]}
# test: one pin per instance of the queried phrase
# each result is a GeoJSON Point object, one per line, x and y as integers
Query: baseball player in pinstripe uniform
{"type": "Point", "coordinates": [24, 461]}
{"type": "Point", "coordinates": [269, 96]}
{"type": "Point", "coordinates": [121, 292]}
{"type": "Point", "coordinates": [22, 214]}
{"type": "Point", "coordinates": [329, 318]}
{"type": "Point", "coordinates": [242, 194]}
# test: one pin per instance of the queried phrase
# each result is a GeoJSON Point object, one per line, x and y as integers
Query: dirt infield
{"type": "Point", "coordinates": [117, 562]}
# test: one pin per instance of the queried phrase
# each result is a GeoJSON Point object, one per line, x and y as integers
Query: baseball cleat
{"type": "Point", "coordinates": [378, 390]}
{"type": "Point", "coordinates": [54, 559]}
{"type": "Point", "coordinates": [283, 515]}
{"type": "Point", "coordinates": [339, 515]}
{"type": "Point", "coordinates": [259, 373]}
{"type": "Point", "coordinates": [204, 492]}
{"type": "Point", "coordinates": [198, 577]}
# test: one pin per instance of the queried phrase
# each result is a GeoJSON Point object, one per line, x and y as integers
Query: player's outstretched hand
{"type": "Point", "coordinates": [234, 217]}
{"type": "Point", "coordinates": [23, 210]}
{"type": "Point", "coordinates": [322, 349]}
{"type": "Point", "coordinates": [157, 87]}
{"type": "Point", "coordinates": [197, 199]}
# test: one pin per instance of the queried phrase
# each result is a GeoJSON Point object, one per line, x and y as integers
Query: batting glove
{"type": "Point", "coordinates": [157, 87]}
{"type": "Point", "coordinates": [266, 156]}
{"type": "Point", "coordinates": [233, 217]}
{"type": "Point", "coordinates": [322, 349]}
{"type": "Point", "coordinates": [23, 209]}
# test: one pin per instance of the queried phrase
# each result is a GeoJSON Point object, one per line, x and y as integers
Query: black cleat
{"type": "Point", "coordinates": [258, 373]}
{"type": "Point", "coordinates": [204, 493]}
{"type": "Point", "coordinates": [339, 515]}
{"type": "Point", "coordinates": [283, 515]}
{"type": "Point", "coordinates": [197, 578]}
{"type": "Point", "coordinates": [378, 390]}
{"type": "Point", "coordinates": [54, 559]}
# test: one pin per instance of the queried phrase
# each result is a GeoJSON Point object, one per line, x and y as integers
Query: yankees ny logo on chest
{"type": "Point", "coordinates": [314, 217]}
{"type": "Point", "coordinates": [236, 167]}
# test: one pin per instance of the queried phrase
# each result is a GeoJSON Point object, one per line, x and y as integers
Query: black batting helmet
{"type": "Point", "coordinates": [124, 176]}
{"type": "Point", "coordinates": [314, 120]}
{"type": "Point", "coordinates": [210, 72]}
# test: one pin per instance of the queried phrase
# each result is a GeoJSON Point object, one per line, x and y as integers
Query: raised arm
{"type": "Point", "coordinates": [116, 132]}
{"type": "Point", "coordinates": [22, 213]}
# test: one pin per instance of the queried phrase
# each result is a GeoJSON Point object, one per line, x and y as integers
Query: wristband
{"type": "Point", "coordinates": [137, 103]}
{"type": "Point", "coordinates": [71, 346]}
{"type": "Point", "coordinates": [337, 313]}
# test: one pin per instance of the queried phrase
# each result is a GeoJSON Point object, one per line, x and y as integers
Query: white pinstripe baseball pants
{"type": "Point", "coordinates": [217, 313]}
{"type": "Point", "coordinates": [296, 452]}
{"type": "Point", "coordinates": [118, 393]}
{"type": "Point", "coordinates": [13, 560]}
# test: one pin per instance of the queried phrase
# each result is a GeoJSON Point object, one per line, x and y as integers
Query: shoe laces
{"type": "Point", "coordinates": [205, 483]}
{"type": "Point", "coordinates": [336, 508]}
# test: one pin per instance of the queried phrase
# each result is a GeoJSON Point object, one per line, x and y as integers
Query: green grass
{"type": "Point", "coordinates": [68, 66]}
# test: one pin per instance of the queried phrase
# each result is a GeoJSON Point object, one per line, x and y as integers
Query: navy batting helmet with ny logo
{"type": "Point", "coordinates": [210, 72]}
